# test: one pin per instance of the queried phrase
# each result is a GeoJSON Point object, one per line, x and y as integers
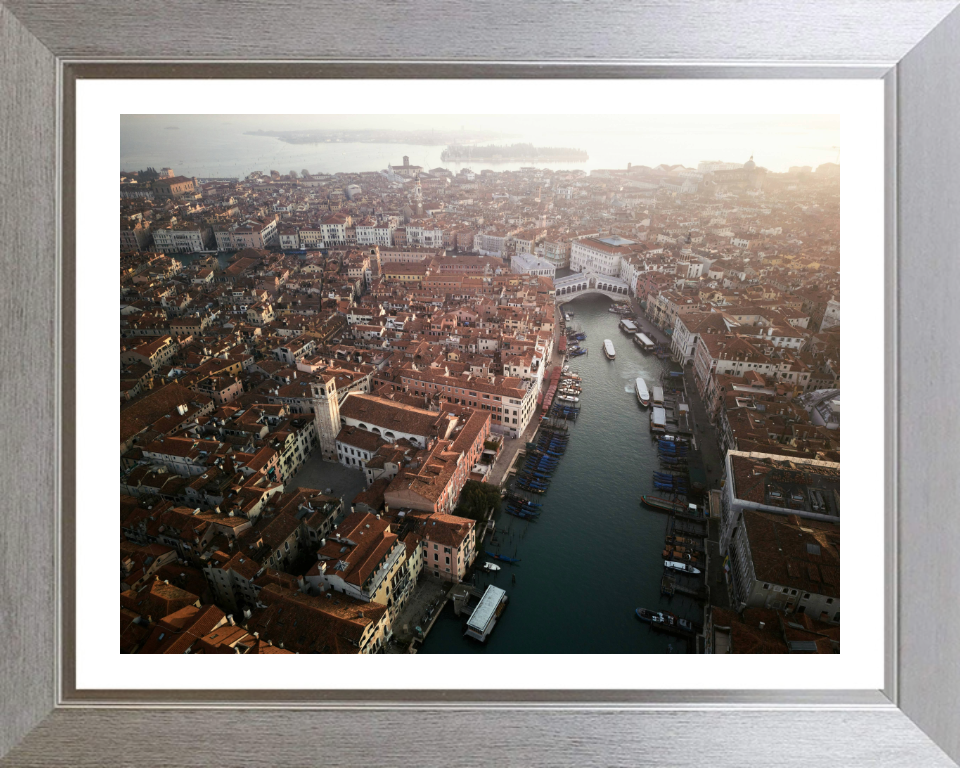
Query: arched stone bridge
{"type": "Point", "coordinates": [582, 283]}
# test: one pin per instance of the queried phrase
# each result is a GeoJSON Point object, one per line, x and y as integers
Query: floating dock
{"type": "Point", "coordinates": [484, 617]}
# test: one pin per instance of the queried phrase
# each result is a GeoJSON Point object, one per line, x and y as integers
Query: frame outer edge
{"type": "Point", "coordinates": [25, 144]}
{"type": "Point", "coordinates": [846, 31]}
{"type": "Point", "coordinates": [74, 738]}
{"type": "Point", "coordinates": [928, 145]}
{"type": "Point", "coordinates": [28, 308]}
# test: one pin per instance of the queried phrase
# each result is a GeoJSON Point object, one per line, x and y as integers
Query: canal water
{"type": "Point", "coordinates": [595, 554]}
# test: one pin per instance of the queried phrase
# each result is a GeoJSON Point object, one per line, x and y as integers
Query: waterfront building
{"type": "Point", "coordinates": [601, 255]}
{"type": "Point", "coordinates": [780, 534]}
{"type": "Point", "coordinates": [449, 544]}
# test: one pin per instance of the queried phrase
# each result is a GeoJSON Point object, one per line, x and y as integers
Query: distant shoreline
{"type": "Point", "coordinates": [418, 138]}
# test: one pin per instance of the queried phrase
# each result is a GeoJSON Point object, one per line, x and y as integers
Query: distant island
{"type": "Point", "coordinates": [429, 138]}
{"type": "Point", "coordinates": [493, 153]}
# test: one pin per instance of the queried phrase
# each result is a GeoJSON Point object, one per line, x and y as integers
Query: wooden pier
{"type": "Point", "coordinates": [670, 585]}
{"type": "Point", "coordinates": [682, 525]}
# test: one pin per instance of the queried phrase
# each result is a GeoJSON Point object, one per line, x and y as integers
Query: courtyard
{"type": "Point", "coordinates": [329, 478]}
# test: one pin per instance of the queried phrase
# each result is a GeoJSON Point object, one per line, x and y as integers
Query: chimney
{"type": "Point", "coordinates": [230, 620]}
{"type": "Point", "coordinates": [762, 624]}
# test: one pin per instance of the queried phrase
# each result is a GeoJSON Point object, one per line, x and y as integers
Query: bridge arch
{"type": "Point", "coordinates": [583, 283]}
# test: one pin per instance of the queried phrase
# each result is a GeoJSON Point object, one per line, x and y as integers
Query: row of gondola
{"type": "Point", "coordinates": [672, 448]}
{"type": "Point", "coordinates": [543, 458]}
{"type": "Point", "coordinates": [561, 410]}
{"type": "Point", "coordinates": [667, 481]}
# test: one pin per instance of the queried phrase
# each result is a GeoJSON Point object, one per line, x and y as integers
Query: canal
{"type": "Point", "coordinates": [595, 554]}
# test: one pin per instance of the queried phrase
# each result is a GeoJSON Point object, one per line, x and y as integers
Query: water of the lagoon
{"type": "Point", "coordinates": [595, 553]}
{"type": "Point", "coordinates": [217, 146]}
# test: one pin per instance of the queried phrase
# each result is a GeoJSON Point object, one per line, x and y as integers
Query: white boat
{"type": "Point", "coordinates": [643, 395]}
{"type": "Point", "coordinates": [566, 316]}
{"type": "Point", "coordinates": [643, 341]}
{"type": "Point", "coordinates": [492, 567]}
{"type": "Point", "coordinates": [658, 419]}
{"type": "Point", "coordinates": [628, 325]}
{"type": "Point", "coordinates": [568, 398]}
{"type": "Point", "coordinates": [685, 567]}
{"type": "Point", "coordinates": [608, 349]}
{"type": "Point", "coordinates": [658, 395]}
{"type": "Point", "coordinates": [570, 392]}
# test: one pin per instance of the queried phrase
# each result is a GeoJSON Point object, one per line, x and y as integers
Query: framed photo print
{"type": "Point", "coordinates": [479, 384]}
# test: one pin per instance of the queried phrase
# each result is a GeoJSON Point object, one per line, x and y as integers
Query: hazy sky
{"type": "Point", "coordinates": [216, 144]}
{"type": "Point", "coordinates": [742, 125]}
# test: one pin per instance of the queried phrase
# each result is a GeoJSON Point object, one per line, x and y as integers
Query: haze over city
{"type": "Point", "coordinates": [219, 145]}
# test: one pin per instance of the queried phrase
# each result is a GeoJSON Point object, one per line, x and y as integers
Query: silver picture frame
{"type": "Point", "coordinates": [912, 45]}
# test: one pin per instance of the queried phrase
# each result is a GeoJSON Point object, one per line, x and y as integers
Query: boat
{"type": "Point", "coordinates": [608, 349]}
{"type": "Point", "coordinates": [522, 515]}
{"type": "Point", "coordinates": [674, 439]}
{"type": "Point", "coordinates": [490, 567]}
{"type": "Point", "coordinates": [658, 419]}
{"type": "Point", "coordinates": [518, 499]}
{"type": "Point", "coordinates": [568, 399]}
{"type": "Point", "coordinates": [643, 395]}
{"type": "Point", "coordinates": [566, 316]}
{"type": "Point", "coordinates": [665, 504]}
{"type": "Point", "coordinates": [653, 617]}
{"type": "Point", "coordinates": [682, 567]}
{"type": "Point", "coordinates": [628, 325]}
{"type": "Point", "coordinates": [571, 314]}
{"type": "Point", "coordinates": [502, 558]}
{"type": "Point", "coordinates": [658, 395]}
{"type": "Point", "coordinates": [644, 342]}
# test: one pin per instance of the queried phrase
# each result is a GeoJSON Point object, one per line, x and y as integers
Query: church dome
{"type": "Point", "coordinates": [750, 165]}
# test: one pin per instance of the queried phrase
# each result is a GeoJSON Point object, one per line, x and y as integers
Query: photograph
{"type": "Point", "coordinates": [481, 384]}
